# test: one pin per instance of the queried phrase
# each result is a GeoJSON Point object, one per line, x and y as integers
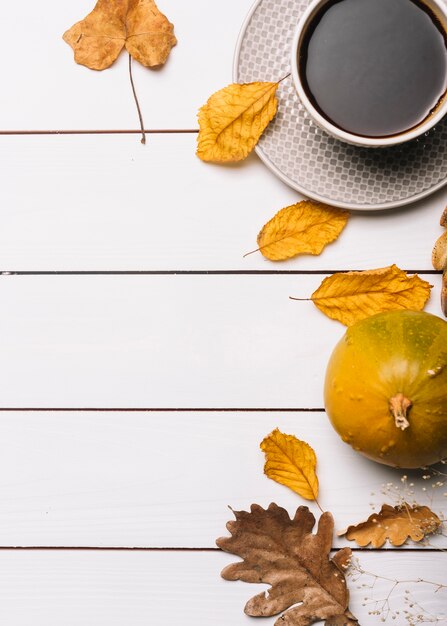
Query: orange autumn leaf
{"type": "Point", "coordinates": [137, 25]}
{"type": "Point", "coordinates": [396, 524]}
{"type": "Point", "coordinates": [291, 462]}
{"type": "Point", "coordinates": [352, 296]}
{"type": "Point", "coordinates": [233, 120]}
{"type": "Point", "coordinates": [302, 228]}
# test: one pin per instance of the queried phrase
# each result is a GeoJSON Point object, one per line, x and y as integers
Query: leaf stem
{"type": "Point", "coordinates": [252, 252]}
{"type": "Point", "coordinates": [143, 134]}
{"type": "Point", "coordinates": [318, 505]}
{"type": "Point", "coordinates": [285, 77]}
{"type": "Point", "coordinates": [300, 299]}
{"type": "Point", "coordinates": [401, 582]}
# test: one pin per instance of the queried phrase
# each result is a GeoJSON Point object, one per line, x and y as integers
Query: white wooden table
{"type": "Point", "coordinates": [142, 357]}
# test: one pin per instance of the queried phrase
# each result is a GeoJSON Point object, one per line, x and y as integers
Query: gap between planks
{"type": "Point", "coordinates": [167, 549]}
{"type": "Point", "coordinates": [191, 272]}
{"type": "Point", "coordinates": [161, 131]}
{"type": "Point", "coordinates": [163, 409]}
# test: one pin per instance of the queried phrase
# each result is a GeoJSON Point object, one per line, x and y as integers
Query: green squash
{"type": "Point", "coordinates": [386, 388]}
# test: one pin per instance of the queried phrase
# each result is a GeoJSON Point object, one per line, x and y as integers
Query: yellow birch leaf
{"type": "Point", "coordinates": [352, 296]}
{"type": "Point", "coordinates": [292, 463]}
{"type": "Point", "coordinates": [303, 228]}
{"type": "Point", "coordinates": [233, 119]}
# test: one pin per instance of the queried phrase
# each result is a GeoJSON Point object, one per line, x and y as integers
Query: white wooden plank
{"type": "Point", "coordinates": [52, 588]}
{"type": "Point", "coordinates": [164, 341]}
{"type": "Point", "coordinates": [108, 203]}
{"type": "Point", "coordinates": [45, 89]}
{"type": "Point", "coordinates": [166, 479]}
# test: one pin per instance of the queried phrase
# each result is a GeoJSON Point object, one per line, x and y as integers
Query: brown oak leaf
{"type": "Point", "coordinates": [396, 524]}
{"type": "Point", "coordinates": [285, 554]}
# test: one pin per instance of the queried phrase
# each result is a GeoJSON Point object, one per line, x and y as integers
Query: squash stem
{"type": "Point", "coordinates": [399, 407]}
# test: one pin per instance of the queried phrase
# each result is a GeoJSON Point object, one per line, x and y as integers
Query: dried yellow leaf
{"type": "Point", "coordinates": [292, 463]}
{"type": "Point", "coordinates": [395, 523]}
{"type": "Point", "coordinates": [98, 39]}
{"type": "Point", "coordinates": [233, 119]}
{"type": "Point", "coordinates": [352, 296]}
{"type": "Point", "coordinates": [150, 35]}
{"type": "Point", "coordinates": [302, 228]}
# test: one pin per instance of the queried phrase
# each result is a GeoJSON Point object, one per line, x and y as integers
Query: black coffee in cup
{"type": "Point", "coordinates": [374, 68]}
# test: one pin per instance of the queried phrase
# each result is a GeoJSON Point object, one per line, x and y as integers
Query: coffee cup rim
{"type": "Point", "coordinates": [332, 129]}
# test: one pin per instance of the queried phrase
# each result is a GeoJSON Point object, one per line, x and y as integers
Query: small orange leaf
{"type": "Point", "coordinates": [395, 523]}
{"type": "Point", "coordinates": [302, 228]}
{"type": "Point", "coordinates": [233, 119]}
{"type": "Point", "coordinates": [292, 463]}
{"type": "Point", "coordinates": [352, 296]}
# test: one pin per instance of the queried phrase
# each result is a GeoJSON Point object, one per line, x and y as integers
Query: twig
{"type": "Point", "coordinates": [382, 606]}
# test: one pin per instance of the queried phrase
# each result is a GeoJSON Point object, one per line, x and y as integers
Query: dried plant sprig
{"type": "Point", "coordinates": [414, 612]}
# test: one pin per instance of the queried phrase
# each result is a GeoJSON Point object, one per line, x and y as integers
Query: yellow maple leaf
{"type": "Point", "coordinates": [302, 228]}
{"type": "Point", "coordinates": [138, 25]}
{"type": "Point", "coordinates": [352, 296]}
{"type": "Point", "coordinates": [395, 523]}
{"type": "Point", "coordinates": [291, 462]}
{"type": "Point", "coordinates": [233, 119]}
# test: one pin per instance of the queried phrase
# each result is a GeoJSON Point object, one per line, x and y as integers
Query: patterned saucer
{"type": "Point", "coordinates": [304, 156]}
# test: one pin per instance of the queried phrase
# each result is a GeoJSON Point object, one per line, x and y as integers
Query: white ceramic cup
{"type": "Point", "coordinates": [439, 8]}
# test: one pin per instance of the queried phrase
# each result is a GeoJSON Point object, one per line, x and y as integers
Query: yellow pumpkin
{"type": "Point", "coordinates": [386, 388]}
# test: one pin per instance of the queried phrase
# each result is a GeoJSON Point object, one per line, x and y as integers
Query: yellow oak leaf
{"type": "Point", "coordinates": [233, 119]}
{"type": "Point", "coordinates": [302, 228]}
{"type": "Point", "coordinates": [138, 25]}
{"type": "Point", "coordinates": [291, 462]}
{"type": "Point", "coordinates": [352, 296]}
{"type": "Point", "coordinates": [395, 523]}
